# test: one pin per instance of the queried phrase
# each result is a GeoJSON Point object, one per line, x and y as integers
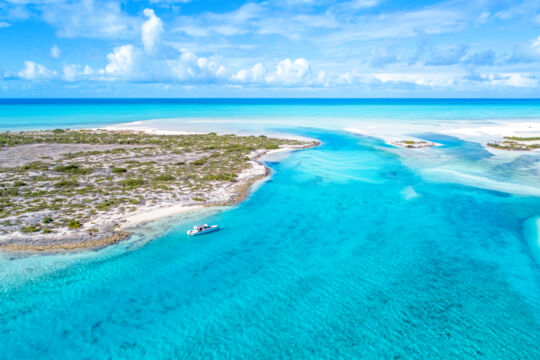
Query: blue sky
{"type": "Point", "coordinates": [282, 48]}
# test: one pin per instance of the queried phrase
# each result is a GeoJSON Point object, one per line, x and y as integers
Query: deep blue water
{"type": "Point", "coordinates": [328, 259]}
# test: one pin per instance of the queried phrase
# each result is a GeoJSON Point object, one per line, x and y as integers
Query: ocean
{"type": "Point", "coordinates": [353, 249]}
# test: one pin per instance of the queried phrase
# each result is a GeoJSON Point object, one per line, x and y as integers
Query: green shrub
{"type": "Point", "coordinates": [72, 169]}
{"type": "Point", "coordinates": [271, 147]}
{"type": "Point", "coordinates": [164, 177]}
{"type": "Point", "coordinates": [132, 183]}
{"type": "Point", "coordinates": [198, 199]}
{"type": "Point", "coordinates": [107, 204]}
{"type": "Point", "coordinates": [220, 177]}
{"type": "Point", "coordinates": [19, 183]}
{"type": "Point", "coordinates": [119, 170]}
{"type": "Point", "coordinates": [47, 220]}
{"type": "Point", "coordinates": [35, 165]}
{"type": "Point", "coordinates": [199, 162]}
{"type": "Point", "coordinates": [74, 224]}
{"type": "Point", "coordinates": [9, 191]}
{"type": "Point", "coordinates": [58, 131]}
{"type": "Point", "coordinates": [67, 183]}
{"type": "Point", "coordinates": [30, 229]}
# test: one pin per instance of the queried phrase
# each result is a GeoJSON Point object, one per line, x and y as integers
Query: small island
{"type": "Point", "coordinates": [411, 144]}
{"type": "Point", "coordinates": [73, 189]}
{"type": "Point", "coordinates": [515, 143]}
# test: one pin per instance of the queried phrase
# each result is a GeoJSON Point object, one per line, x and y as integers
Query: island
{"type": "Point", "coordinates": [412, 144]}
{"type": "Point", "coordinates": [74, 189]}
{"type": "Point", "coordinates": [516, 143]}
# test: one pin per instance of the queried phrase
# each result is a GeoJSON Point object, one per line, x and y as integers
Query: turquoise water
{"type": "Point", "coordinates": [30, 114]}
{"type": "Point", "coordinates": [346, 252]}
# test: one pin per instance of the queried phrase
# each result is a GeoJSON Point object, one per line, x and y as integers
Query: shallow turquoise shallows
{"type": "Point", "coordinates": [344, 252]}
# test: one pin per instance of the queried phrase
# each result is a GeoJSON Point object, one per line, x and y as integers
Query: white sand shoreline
{"type": "Point", "coordinates": [161, 212]}
{"type": "Point", "coordinates": [106, 228]}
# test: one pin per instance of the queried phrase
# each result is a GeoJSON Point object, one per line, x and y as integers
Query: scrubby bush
{"type": "Point", "coordinates": [164, 177]}
{"type": "Point", "coordinates": [107, 204]}
{"type": "Point", "coordinates": [199, 162]}
{"type": "Point", "coordinates": [35, 165]}
{"type": "Point", "coordinates": [74, 224]}
{"type": "Point", "coordinates": [30, 229]}
{"type": "Point", "coordinates": [132, 183]}
{"type": "Point", "coordinates": [67, 183]}
{"type": "Point", "coordinates": [72, 169]}
{"type": "Point", "coordinates": [220, 177]}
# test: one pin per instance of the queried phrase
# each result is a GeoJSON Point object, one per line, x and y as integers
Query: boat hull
{"type": "Point", "coordinates": [206, 231]}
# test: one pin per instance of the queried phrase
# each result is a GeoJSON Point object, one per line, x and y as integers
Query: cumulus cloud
{"type": "Point", "coordinates": [290, 72]}
{"type": "Point", "coordinates": [73, 72]}
{"type": "Point", "coordinates": [55, 52]}
{"type": "Point", "coordinates": [4, 24]}
{"type": "Point", "coordinates": [189, 66]}
{"type": "Point", "coordinates": [151, 30]}
{"type": "Point", "coordinates": [34, 71]}
{"type": "Point", "coordinates": [123, 62]}
{"type": "Point", "coordinates": [70, 72]}
{"type": "Point", "coordinates": [252, 75]}
{"type": "Point", "coordinates": [286, 73]}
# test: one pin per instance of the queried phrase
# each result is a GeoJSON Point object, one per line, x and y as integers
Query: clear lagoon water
{"type": "Point", "coordinates": [347, 251]}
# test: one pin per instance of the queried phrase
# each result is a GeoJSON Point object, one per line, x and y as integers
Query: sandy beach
{"type": "Point", "coordinates": [116, 224]}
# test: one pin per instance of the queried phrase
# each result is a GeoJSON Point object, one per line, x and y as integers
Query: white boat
{"type": "Point", "coordinates": [202, 229]}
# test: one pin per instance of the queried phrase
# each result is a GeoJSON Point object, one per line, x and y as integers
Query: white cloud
{"type": "Point", "coordinates": [4, 24]}
{"type": "Point", "coordinates": [230, 23]}
{"type": "Point", "coordinates": [151, 30]}
{"type": "Point", "coordinates": [518, 80]}
{"type": "Point", "coordinates": [89, 18]}
{"type": "Point", "coordinates": [191, 67]}
{"type": "Point", "coordinates": [55, 52]}
{"type": "Point", "coordinates": [70, 72]}
{"type": "Point", "coordinates": [34, 71]}
{"type": "Point", "coordinates": [483, 17]}
{"type": "Point", "coordinates": [252, 75]}
{"type": "Point", "coordinates": [123, 62]}
{"type": "Point", "coordinates": [420, 79]}
{"type": "Point", "coordinates": [290, 72]}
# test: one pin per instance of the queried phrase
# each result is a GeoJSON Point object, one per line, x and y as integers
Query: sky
{"type": "Point", "coordinates": [281, 48]}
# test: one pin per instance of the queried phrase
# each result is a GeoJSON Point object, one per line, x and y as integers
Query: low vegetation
{"type": "Point", "coordinates": [54, 191]}
{"type": "Point", "coordinates": [517, 143]}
